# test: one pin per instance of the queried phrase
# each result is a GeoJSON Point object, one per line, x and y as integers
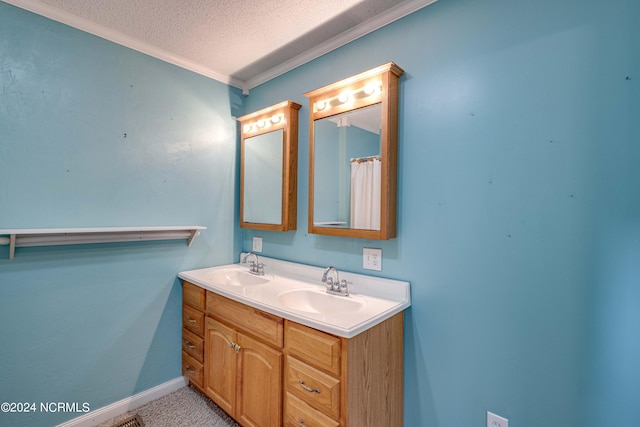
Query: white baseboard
{"type": "Point", "coordinates": [128, 404]}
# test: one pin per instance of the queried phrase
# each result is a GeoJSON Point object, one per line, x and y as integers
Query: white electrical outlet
{"type": "Point", "coordinates": [494, 420]}
{"type": "Point", "coordinates": [372, 259]}
{"type": "Point", "coordinates": [257, 244]}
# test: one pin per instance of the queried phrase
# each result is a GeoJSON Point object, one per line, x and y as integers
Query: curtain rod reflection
{"type": "Point", "coordinates": [366, 159]}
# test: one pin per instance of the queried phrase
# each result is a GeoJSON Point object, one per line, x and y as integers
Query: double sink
{"type": "Point", "coordinates": [295, 292]}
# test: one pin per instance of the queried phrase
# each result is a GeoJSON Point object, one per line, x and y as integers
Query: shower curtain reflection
{"type": "Point", "coordinates": [365, 193]}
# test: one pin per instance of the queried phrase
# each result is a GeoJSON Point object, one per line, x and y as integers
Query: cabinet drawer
{"type": "Point", "coordinates": [192, 369]}
{"type": "Point", "coordinates": [314, 347]}
{"type": "Point", "coordinates": [316, 388]}
{"type": "Point", "coordinates": [193, 295]}
{"type": "Point", "coordinates": [297, 414]}
{"type": "Point", "coordinates": [193, 320]}
{"type": "Point", "coordinates": [259, 323]}
{"type": "Point", "coordinates": [193, 345]}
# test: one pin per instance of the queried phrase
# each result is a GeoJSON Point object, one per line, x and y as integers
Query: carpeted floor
{"type": "Point", "coordinates": [186, 407]}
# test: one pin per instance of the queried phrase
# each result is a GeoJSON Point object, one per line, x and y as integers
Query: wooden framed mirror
{"type": "Point", "coordinates": [269, 168]}
{"type": "Point", "coordinates": [353, 155]}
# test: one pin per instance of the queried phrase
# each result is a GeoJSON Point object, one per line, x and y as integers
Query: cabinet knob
{"type": "Point", "coordinates": [301, 421]}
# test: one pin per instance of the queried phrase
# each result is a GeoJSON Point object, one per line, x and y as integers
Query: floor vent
{"type": "Point", "coordinates": [134, 421]}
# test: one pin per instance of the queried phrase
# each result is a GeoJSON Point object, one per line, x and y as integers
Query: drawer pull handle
{"type": "Point", "coordinates": [307, 388]}
{"type": "Point", "coordinates": [190, 320]}
{"type": "Point", "coordinates": [189, 345]}
{"type": "Point", "coordinates": [301, 421]}
{"type": "Point", "coordinates": [189, 370]}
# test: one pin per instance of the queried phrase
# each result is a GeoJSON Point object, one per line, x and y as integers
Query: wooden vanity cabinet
{"type": "Point", "coordinates": [243, 371]}
{"type": "Point", "coordinates": [335, 381]}
{"type": "Point", "coordinates": [193, 304]}
{"type": "Point", "coordinates": [266, 371]}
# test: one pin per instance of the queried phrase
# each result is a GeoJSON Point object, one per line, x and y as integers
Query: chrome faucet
{"type": "Point", "coordinates": [334, 285]}
{"type": "Point", "coordinates": [255, 267]}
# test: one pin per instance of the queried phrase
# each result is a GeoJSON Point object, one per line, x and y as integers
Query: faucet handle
{"type": "Point", "coordinates": [344, 288]}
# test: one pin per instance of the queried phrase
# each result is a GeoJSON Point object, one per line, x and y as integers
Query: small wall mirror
{"type": "Point", "coordinates": [353, 155]}
{"type": "Point", "coordinates": [269, 167]}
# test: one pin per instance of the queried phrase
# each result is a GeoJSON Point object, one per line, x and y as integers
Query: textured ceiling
{"type": "Point", "coordinates": [240, 42]}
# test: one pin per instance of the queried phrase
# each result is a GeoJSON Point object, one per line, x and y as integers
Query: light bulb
{"type": "Point", "coordinates": [321, 105]}
{"type": "Point", "coordinates": [371, 87]}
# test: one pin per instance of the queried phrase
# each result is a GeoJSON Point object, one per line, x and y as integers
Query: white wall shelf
{"type": "Point", "coordinates": [16, 238]}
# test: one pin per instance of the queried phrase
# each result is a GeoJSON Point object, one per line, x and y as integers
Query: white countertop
{"type": "Point", "coordinates": [379, 298]}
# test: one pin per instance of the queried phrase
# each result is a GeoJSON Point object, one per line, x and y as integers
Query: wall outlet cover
{"type": "Point", "coordinates": [494, 420]}
{"type": "Point", "coordinates": [372, 259]}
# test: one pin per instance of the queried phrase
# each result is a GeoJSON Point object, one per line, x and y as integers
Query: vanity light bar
{"type": "Point", "coordinates": [268, 119]}
{"type": "Point", "coordinates": [372, 88]}
{"type": "Point", "coordinates": [262, 123]}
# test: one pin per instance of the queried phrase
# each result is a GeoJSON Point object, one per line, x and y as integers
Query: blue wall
{"type": "Point", "coordinates": [519, 214]}
{"type": "Point", "coordinates": [97, 324]}
{"type": "Point", "coordinates": [519, 210]}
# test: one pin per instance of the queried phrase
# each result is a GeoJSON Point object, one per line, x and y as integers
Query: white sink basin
{"type": "Point", "coordinates": [229, 277]}
{"type": "Point", "coordinates": [295, 292]}
{"type": "Point", "coordinates": [316, 301]}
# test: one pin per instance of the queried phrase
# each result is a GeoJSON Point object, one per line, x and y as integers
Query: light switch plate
{"type": "Point", "coordinates": [257, 244]}
{"type": "Point", "coordinates": [372, 259]}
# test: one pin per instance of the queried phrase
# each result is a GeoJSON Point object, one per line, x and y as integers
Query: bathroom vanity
{"type": "Point", "coordinates": [276, 349]}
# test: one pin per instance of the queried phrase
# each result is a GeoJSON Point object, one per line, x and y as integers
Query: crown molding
{"type": "Point", "coordinates": [386, 18]}
{"type": "Point", "coordinates": [122, 39]}
{"type": "Point", "coordinates": [340, 40]}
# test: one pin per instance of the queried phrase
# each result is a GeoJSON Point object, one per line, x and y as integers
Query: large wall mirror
{"type": "Point", "coordinates": [269, 167]}
{"type": "Point", "coordinates": [353, 155]}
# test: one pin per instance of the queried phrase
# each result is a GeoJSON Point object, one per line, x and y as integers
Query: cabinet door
{"type": "Point", "coordinates": [259, 398]}
{"type": "Point", "coordinates": [220, 361]}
